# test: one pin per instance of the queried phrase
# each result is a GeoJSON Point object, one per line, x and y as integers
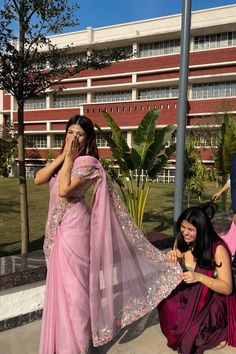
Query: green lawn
{"type": "Point", "coordinates": [10, 215]}
{"type": "Point", "coordinates": [158, 216]}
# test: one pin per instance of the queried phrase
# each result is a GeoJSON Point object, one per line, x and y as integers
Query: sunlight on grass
{"type": "Point", "coordinates": [158, 215]}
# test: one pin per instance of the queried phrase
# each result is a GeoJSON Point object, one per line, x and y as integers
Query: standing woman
{"type": "Point", "coordinates": [200, 313]}
{"type": "Point", "coordinates": [103, 274]}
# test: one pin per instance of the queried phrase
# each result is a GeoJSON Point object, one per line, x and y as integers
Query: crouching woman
{"type": "Point", "coordinates": [200, 314]}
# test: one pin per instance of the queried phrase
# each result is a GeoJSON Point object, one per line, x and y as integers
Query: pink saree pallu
{"type": "Point", "coordinates": [230, 238]}
{"type": "Point", "coordinates": [103, 274]}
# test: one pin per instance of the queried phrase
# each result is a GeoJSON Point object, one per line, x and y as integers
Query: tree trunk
{"type": "Point", "coordinates": [21, 145]}
{"type": "Point", "coordinates": [23, 186]}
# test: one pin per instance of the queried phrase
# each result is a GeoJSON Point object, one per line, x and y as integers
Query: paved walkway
{"type": "Point", "coordinates": [143, 338]}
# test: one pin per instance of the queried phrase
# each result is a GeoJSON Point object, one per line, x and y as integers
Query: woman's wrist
{"type": "Point", "coordinates": [69, 159]}
{"type": "Point", "coordinates": [205, 280]}
{"type": "Point", "coordinates": [198, 277]}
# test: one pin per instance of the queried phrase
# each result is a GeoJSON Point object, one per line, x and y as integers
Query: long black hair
{"type": "Point", "coordinates": [200, 217]}
{"type": "Point", "coordinates": [87, 125]}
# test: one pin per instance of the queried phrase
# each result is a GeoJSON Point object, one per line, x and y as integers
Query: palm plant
{"type": "Point", "coordinates": [148, 154]}
{"type": "Point", "coordinates": [226, 147]}
{"type": "Point", "coordinates": [195, 172]}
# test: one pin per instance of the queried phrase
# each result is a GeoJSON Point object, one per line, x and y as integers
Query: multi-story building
{"type": "Point", "coordinates": [150, 79]}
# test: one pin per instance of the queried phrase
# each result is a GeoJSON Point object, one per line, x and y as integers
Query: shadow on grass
{"type": "Point", "coordinates": [160, 221]}
{"type": "Point", "coordinates": [7, 206]}
{"type": "Point", "coordinates": [36, 244]}
{"type": "Point", "coordinates": [33, 246]}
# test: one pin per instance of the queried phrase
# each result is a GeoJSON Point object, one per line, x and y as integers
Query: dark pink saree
{"type": "Point", "coordinates": [195, 319]}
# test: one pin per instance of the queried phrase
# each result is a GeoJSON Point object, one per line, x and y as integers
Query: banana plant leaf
{"type": "Point", "coordinates": [161, 161]}
{"type": "Point", "coordinates": [117, 143]}
{"type": "Point", "coordinates": [116, 151]}
{"type": "Point", "coordinates": [144, 138]}
{"type": "Point", "coordinates": [117, 134]}
{"type": "Point", "coordinates": [158, 147]}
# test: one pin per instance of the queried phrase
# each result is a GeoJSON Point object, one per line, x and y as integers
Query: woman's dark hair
{"type": "Point", "coordinates": [87, 125]}
{"type": "Point", "coordinates": [200, 217]}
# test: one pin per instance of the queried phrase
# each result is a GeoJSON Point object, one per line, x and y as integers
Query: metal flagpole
{"type": "Point", "coordinates": [182, 108]}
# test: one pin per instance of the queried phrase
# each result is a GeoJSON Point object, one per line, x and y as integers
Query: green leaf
{"type": "Point", "coordinates": [160, 162]}
{"type": "Point", "coordinates": [162, 137]}
{"type": "Point", "coordinates": [117, 134]}
{"type": "Point", "coordinates": [144, 137]}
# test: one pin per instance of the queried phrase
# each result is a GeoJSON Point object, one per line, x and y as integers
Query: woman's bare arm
{"type": "Point", "coordinates": [66, 183]}
{"type": "Point", "coordinates": [223, 283]}
{"type": "Point", "coordinates": [44, 175]}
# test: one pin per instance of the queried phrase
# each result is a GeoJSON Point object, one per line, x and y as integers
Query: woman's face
{"type": "Point", "coordinates": [188, 231]}
{"type": "Point", "coordinates": [76, 132]}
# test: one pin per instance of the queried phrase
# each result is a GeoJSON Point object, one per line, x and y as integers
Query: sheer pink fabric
{"type": "Point", "coordinates": [103, 274]}
{"type": "Point", "coordinates": [230, 238]}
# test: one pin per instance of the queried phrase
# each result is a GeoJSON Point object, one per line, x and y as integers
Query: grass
{"type": "Point", "coordinates": [158, 215]}
{"type": "Point", "coordinates": [10, 215]}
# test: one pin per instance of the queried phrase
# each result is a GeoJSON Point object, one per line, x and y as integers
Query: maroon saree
{"type": "Point", "coordinates": [194, 318]}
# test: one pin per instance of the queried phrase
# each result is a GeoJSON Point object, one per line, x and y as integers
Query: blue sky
{"type": "Point", "coordinates": [99, 13]}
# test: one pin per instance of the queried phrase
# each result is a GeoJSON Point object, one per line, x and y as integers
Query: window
{"type": "Point", "coordinates": [37, 141]}
{"type": "Point", "coordinates": [58, 140]}
{"type": "Point", "coordinates": [62, 101]}
{"type": "Point", "coordinates": [35, 103]}
{"type": "Point", "coordinates": [72, 59]}
{"type": "Point", "coordinates": [204, 138]}
{"type": "Point", "coordinates": [101, 142]}
{"type": "Point", "coordinates": [217, 40]}
{"type": "Point", "coordinates": [161, 92]}
{"type": "Point", "coordinates": [113, 96]}
{"type": "Point", "coordinates": [159, 48]}
{"type": "Point", "coordinates": [214, 90]}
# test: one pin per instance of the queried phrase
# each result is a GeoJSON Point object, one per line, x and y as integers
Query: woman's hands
{"type": "Point", "coordinates": [72, 148]}
{"type": "Point", "coordinates": [216, 196]}
{"type": "Point", "coordinates": [187, 276]}
{"type": "Point", "coordinates": [190, 277]}
{"type": "Point", "coordinates": [172, 255]}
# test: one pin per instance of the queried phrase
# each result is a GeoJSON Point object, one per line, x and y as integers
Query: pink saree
{"type": "Point", "coordinates": [103, 274]}
{"type": "Point", "coordinates": [230, 238]}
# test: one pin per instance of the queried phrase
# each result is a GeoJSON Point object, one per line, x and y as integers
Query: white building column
{"type": "Point", "coordinates": [81, 110]}
{"type": "Point", "coordinates": [129, 138]}
{"type": "Point", "coordinates": [190, 90]}
{"type": "Point", "coordinates": [90, 34]}
{"type": "Point", "coordinates": [134, 89]}
{"type": "Point", "coordinates": [191, 44]}
{"type": "Point", "coordinates": [50, 137]}
{"type": "Point", "coordinates": [89, 97]}
{"type": "Point", "coordinates": [134, 94]}
{"type": "Point", "coordinates": [12, 105]}
{"type": "Point", "coordinates": [49, 101]}
{"type": "Point", "coordinates": [135, 49]}
{"type": "Point", "coordinates": [89, 94]}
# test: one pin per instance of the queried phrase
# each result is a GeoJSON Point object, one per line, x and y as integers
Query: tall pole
{"type": "Point", "coordinates": [182, 108]}
{"type": "Point", "coordinates": [21, 144]}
